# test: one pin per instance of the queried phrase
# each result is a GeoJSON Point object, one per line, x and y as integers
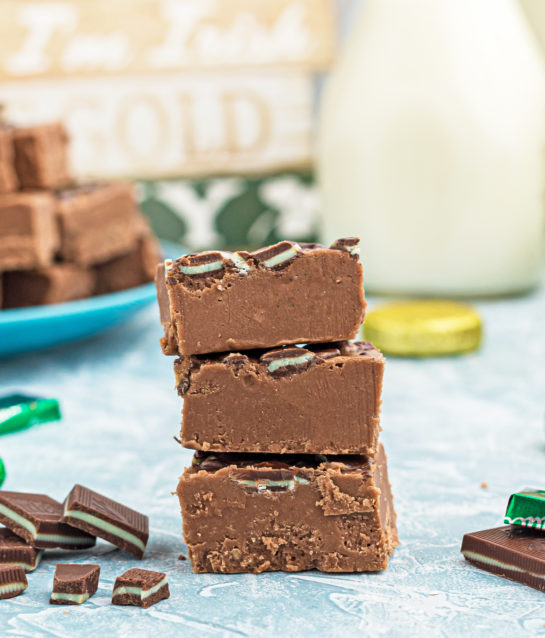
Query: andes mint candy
{"type": "Point", "coordinates": [18, 411]}
{"type": "Point", "coordinates": [277, 256]}
{"type": "Point", "coordinates": [286, 360]}
{"type": "Point", "coordinates": [240, 261]}
{"type": "Point", "coordinates": [325, 353]}
{"type": "Point", "coordinates": [235, 359]}
{"type": "Point", "coordinates": [526, 508]}
{"type": "Point", "coordinates": [354, 347]}
{"type": "Point", "coordinates": [350, 244]}
{"type": "Point", "coordinates": [201, 264]}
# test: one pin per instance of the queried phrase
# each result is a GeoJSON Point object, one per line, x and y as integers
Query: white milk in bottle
{"type": "Point", "coordinates": [432, 147]}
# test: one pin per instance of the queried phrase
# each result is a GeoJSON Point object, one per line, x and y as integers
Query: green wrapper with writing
{"type": "Point", "coordinates": [526, 508]}
{"type": "Point", "coordinates": [18, 412]}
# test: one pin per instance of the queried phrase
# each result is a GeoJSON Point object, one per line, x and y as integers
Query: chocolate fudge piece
{"type": "Point", "coordinates": [135, 268]}
{"type": "Point", "coordinates": [516, 553]}
{"type": "Point", "coordinates": [255, 513]}
{"type": "Point", "coordinates": [37, 519]}
{"type": "Point", "coordinates": [12, 581]}
{"type": "Point", "coordinates": [283, 294]}
{"type": "Point", "coordinates": [15, 551]}
{"type": "Point", "coordinates": [28, 230]}
{"type": "Point", "coordinates": [73, 584]}
{"type": "Point", "coordinates": [98, 515]}
{"type": "Point", "coordinates": [97, 222]}
{"type": "Point", "coordinates": [322, 399]}
{"type": "Point", "coordinates": [41, 156]}
{"type": "Point", "coordinates": [140, 587]}
{"type": "Point", "coordinates": [8, 178]}
{"type": "Point", "coordinates": [55, 284]}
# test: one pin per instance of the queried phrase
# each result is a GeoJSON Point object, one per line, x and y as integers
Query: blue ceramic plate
{"type": "Point", "coordinates": [25, 329]}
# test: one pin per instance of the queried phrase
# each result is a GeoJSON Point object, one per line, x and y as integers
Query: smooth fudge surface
{"type": "Point", "coordinates": [97, 222]}
{"type": "Point", "coordinates": [41, 156]}
{"type": "Point", "coordinates": [321, 399]}
{"type": "Point", "coordinates": [8, 177]}
{"type": "Point", "coordinates": [28, 230]}
{"type": "Point", "coordinates": [54, 284]}
{"type": "Point", "coordinates": [283, 294]}
{"type": "Point", "coordinates": [256, 513]}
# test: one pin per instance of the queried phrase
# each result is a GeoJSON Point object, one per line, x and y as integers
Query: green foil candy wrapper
{"type": "Point", "coordinates": [2, 472]}
{"type": "Point", "coordinates": [526, 508]}
{"type": "Point", "coordinates": [18, 412]}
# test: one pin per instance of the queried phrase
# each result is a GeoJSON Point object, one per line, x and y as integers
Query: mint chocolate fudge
{"type": "Point", "coordinates": [28, 230]}
{"type": "Point", "coordinates": [8, 177]}
{"type": "Point", "coordinates": [265, 512]}
{"type": "Point", "coordinates": [54, 284]}
{"type": "Point", "coordinates": [41, 156]}
{"type": "Point", "coordinates": [283, 294]}
{"type": "Point", "coordinates": [97, 221]}
{"type": "Point", "coordinates": [318, 399]}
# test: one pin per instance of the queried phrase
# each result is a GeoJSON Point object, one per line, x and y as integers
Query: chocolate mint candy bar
{"type": "Point", "coordinates": [12, 581]}
{"type": "Point", "coordinates": [283, 294]}
{"type": "Point", "coordinates": [15, 551]}
{"type": "Point", "coordinates": [93, 513]}
{"type": "Point", "coordinates": [28, 231]}
{"type": "Point", "coordinates": [516, 553]}
{"type": "Point", "coordinates": [54, 284]}
{"type": "Point", "coordinates": [266, 512]}
{"type": "Point", "coordinates": [74, 584]}
{"type": "Point", "coordinates": [37, 519]}
{"type": "Point", "coordinates": [41, 156]}
{"type": "Point", "coordinates": [526, 508]}
{"type": "Point", "coordinates": [283, 400]}
{"type": "Point", "coordinates": [97, 221]}
{"type": "Point", "coordinates": [140, 587]}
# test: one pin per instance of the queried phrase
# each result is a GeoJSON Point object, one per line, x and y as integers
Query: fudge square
{"type": "Point", "coordinates": [41, 156]}
{"type": "Point", "coordinates": [283, 294]}
{"type": "Point", "coordinates": [8, 178]}
{"type": "Point", "coordinates": [97, 222]}
{"type": "Point", "coordinates": [53, 284]}
{"type": "Point", "coordinates": [255, 513]}
{"type": "Point", "coordinates": [28, 230]}
{"type": "Point", "coordinates": [321, 399]}
{"type": "Point", "coordinates": [135, 268]}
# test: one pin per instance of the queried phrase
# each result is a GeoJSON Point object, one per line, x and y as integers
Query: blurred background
{"type": "Point", "coordinates": [426, 137]}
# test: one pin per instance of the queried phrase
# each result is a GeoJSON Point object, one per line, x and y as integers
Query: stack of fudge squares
{"type": "Point", "coordinates": [60, 240]}
{"type": "Point", "coordinates": [282, 409]}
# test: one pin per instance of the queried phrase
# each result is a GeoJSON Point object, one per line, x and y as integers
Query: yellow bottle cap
{"type": "Point", "coordinates": [424, 328]}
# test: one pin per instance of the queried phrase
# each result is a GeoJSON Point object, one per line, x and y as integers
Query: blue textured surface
{"type": "Point", "coordinates": [449, 424]}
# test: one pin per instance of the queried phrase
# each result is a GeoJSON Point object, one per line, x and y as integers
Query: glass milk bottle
{"type": "Point", "coordinates": [432, 147]}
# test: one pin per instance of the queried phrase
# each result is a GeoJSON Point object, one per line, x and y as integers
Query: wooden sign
{"type": "Point", "coordinates": [175, 124]}
{"type": "Point", "coordinates": [55, 38]}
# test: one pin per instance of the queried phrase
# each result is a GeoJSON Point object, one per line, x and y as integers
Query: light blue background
{"type": "Point", "coordinates": [449, 425]}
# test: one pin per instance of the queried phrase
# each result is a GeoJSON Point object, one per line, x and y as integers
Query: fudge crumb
{"type": "Point", "coordinates": [182, 557]}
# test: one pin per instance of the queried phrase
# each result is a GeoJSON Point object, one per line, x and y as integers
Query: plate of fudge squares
{"type": "Point", "coordinates": [75, 258]}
